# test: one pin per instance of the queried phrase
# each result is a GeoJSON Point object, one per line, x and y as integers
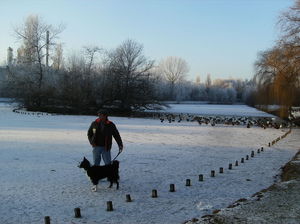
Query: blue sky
{"type": "Point", "coordinates": [216, 37]}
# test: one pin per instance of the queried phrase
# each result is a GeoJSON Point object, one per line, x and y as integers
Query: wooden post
{"type": "Point", "coordinates": [47, 219]}
{"type": "Point", "coordinates": [242, 160]}
{"type": "Point", "coordinates": [262, 149]}
{"type": "Point", "coordinates": [236, 163]}
{"type": "Point", "coordinates": [201, 177]}
{"type": "Point", "coordinates": [77, 212]}
{"type": "Point", "coordinates": [258, 150]}
{"type": "Point", "coordinates": [269, 144]}
{"type": "Point", "coordinates": [154, 193]}
{"type": "Point", "coordinates": [128, 198]}
{"type": "Point", "coordinates": [221, 170]}
{"type": "Point", "coordinates": [109, 206]}
{"type": "Point", "coordinates": [172, 188]}
{"type": "Point", "coordinates": [188, 182]}
{"type": "Point", "coordinates": [252, 154]}
{"type": "Point", "coordinates": [230, 166]}
{"type": "Point", "coordinates": [247, 157]}
{"type": "Point", "coordinates": [212, 173]}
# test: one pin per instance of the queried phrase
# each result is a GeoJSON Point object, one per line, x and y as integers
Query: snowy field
{"type": "Point", "coordinates": [39, 155]}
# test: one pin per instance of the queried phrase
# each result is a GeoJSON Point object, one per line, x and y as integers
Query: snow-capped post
{"type": "Point", "coordinates": [242, 160]}
{"type": "Point", "coordinates": [262, 149]}
{"type": "Point", "coordinates": [201, 177]}
{"type": "Point", "coordinates": [230, 166]}
{"type": "Point", "coordinates": [221, 170]}
{"type": "Point", "coordinates": [47, 219]}
{"type": "Point", "coordinates": [77, 213]}
{"type": "Point", "coordinates": [154, 193]}
{"type": "Point", "coordinates": [172, 188]}
{"type": "Point", "coordinates": [212, 173]}
{"type": "Point", "coordinates": [188, 182]}
{"type": "Point", "coordinates": [109, 206]}
{"type": "Point", "coordinates": [128, 198]}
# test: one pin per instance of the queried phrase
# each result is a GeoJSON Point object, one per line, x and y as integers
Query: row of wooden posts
{"type": "Point", "coordinates": [279, 138]}
{"type": "Point", "coordinates": [172, 186]}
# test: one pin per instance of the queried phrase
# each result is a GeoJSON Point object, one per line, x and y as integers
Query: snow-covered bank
{"type": "Point", "coordinates": [276, 204]}
{"type": "Point", "coordinates": [39, 155]}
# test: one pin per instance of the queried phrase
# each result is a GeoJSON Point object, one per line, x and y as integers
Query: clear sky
{"type": "Point", "coordinates": [216, 37]}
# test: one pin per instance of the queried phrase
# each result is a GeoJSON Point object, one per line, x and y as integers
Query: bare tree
{"type": "Point", "coordinates": [90, 52]}
{"type": "Point", "coordinates": [130, 83]}
{"type": "Point", "coordinates": [289, 26]}
{"type": "Point", "coordinates": [174, 70]}
{"type": "Point", "coordinates": [69, 84]}
{"type": "Point", "coordinates": [30, 75]}
{"type": "Point", "coordinates": [90, 71]}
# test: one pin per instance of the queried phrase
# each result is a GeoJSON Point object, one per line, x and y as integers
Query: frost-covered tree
{"type": "Point", "coordinates": [174, 70]}
{"type": "Point", "coordinates": [197, 91]}
{"type": "Point", "coordinates": [29, 77]}
{"type": "Point", "coordinates": [240, 89]}
{"type": "Point", "coordinates": [217, 95]}
{"type": "Point", "coordinates": [58, 59]}
{"type": "Point", "coordinates": [231, 93]}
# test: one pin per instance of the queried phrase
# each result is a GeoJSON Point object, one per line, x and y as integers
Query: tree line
{"type": "Point", "coordinates": [123, 79]}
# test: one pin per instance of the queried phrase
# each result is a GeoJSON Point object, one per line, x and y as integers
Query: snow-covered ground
{"type": "Point", "coordinates": [39, 154]}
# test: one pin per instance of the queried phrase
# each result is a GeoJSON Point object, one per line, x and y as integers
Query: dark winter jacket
{"type": "Point", "coordinates": [99, 137]}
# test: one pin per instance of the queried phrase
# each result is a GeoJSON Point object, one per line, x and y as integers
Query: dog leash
{"type": "Point", "coordinates": [116, 156]}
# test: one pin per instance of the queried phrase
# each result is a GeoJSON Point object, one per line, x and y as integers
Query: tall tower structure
{"type": "Point", "coordinates": [9, 56]}
{"type": "Point", "coordinates": [47, 49]}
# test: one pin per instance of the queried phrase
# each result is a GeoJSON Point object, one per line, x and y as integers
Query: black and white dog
{"type": "Point", "coordinates": [96, 173]}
